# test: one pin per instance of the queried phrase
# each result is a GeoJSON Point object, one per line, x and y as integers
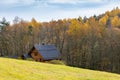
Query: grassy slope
{"type": "Point", "coordinates": [11, 69]}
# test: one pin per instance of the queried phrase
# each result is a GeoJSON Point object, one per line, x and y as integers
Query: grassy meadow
{"type": "Point", "coordinates": [11, 69]}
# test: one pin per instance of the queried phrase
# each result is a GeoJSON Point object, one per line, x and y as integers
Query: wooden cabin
{"type": "Point", "coordinates": [43, 52]}
{"type": "Point", "coordinates": [25, 56]}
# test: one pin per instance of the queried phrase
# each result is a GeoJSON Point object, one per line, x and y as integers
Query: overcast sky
{"type": "Point", "coordinates": [46, 10]}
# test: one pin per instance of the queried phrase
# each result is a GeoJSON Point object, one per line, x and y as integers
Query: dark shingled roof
{"type": "Point", "coordinates": [48, 52]}
{"type": "Point", "coordinates": [25, 56]}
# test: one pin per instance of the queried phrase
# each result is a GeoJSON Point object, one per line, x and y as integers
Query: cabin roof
{"type": "Point", "coordinates": [25, 56]}
{"type": "Point", "coordinates": [48, 52]}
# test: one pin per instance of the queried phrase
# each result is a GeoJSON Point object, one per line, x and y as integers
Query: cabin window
{"type": "Point", "coordinates": [35, 54]}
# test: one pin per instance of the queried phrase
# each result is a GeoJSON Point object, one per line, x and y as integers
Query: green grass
{"type": "Point", "coordinates": [11, 69]}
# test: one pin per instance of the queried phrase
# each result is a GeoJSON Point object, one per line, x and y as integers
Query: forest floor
{"type": "Point", "coordinates": [12, 69]}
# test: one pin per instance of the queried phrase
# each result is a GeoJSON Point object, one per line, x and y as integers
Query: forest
{"type": "Point", "coordinates": [92, 43]}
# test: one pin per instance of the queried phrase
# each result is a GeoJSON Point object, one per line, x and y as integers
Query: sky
{"type": "Point", "coordinates": [46, 10]}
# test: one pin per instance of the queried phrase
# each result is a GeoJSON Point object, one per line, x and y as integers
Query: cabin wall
{"type": "Point", "coordinates": [36, 56]}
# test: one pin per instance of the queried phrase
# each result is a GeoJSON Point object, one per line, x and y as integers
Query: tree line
{"type": "Point", "coordinates": [91, 43]}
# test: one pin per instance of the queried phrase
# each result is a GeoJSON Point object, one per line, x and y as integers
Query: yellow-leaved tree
{"type": "Point", "coordinates": [103, 20]}
{"type": "Point", "coordinates": [115, 21]}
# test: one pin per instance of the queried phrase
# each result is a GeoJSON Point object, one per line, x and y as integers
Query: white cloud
{"type": "Point", "coordinates": [47, 13]}
{"type": "Point", "coordinates": [10, 2]}
{"type": "Point", "coordinates": [63, 1]}
{"type": "Point", "coordinates": [6, 2]}
{"type": "Point", "coordinates": [72, 1]}
{"type": "Point", "coordinates": [86, 11]}
{"type": "Point", "coordinates": [13, 2]}
{"type": "Point", "coordinates": [51, 1]}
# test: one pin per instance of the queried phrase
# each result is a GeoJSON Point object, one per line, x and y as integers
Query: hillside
{"type": "Point", "coordinates": [91, 43]}
{"type": "Point", "coordinates": [11, 69]}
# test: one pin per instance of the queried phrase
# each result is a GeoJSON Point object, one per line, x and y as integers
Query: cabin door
{"type": "Point", "coordinates": [40, 60]}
